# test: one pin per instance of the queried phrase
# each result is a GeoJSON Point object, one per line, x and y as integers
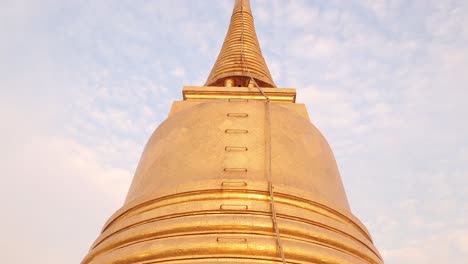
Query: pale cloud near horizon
{"type": "Point", "coordinates": [84, 84]}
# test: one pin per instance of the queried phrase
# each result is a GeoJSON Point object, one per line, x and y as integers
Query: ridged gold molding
{"type": "Point", "coordinates": [241, 57]}
{"type": "Point", "coordinates": [274, 94]}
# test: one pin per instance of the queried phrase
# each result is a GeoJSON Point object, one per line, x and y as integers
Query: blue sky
{"type": "Point", "coordinates": [84, 83]}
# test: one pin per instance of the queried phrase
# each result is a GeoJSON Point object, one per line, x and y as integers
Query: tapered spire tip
{"type": "Point", "coordinates": [240, 62]}
{"type": "Point", "coordinates": [242, 5]}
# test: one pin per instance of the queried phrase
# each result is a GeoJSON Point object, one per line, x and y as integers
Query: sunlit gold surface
{"type": "Point", "coordinates": [275, 94]}
{"type": "Point", "coordinates": [241, 57]}
{"type": "Point", "coordinates": [193, 197]}
{"type": "Point", "coordinates": [200, 192]}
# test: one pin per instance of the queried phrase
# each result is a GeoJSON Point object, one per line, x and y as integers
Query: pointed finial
{"type": "Point", "coordinates": [242, 5]}
{"type": "Point", "coordinates": [240, 58]}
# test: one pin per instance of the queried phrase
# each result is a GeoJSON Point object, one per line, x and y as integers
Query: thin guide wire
{"type": "Point", "coordinates": [267, 143]}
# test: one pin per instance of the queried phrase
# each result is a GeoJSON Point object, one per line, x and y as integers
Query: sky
{"type": "Point", "coordinates": [83, 84]}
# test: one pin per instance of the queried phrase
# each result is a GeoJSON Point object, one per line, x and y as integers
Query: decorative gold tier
{"type": "Point", "coordinates": [231, 220]}
{"type": "Point", "coordinates": [200, 194]}
{"type": "Point", "coordinates": [285, 95]}
{"type": "Point", "coordinates": [241, 57]}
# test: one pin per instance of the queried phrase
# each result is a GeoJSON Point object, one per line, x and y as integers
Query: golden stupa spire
{"type": "Point", "coordinates": [240, 58]}
{"type": "Point", "coordinates": [223, 179]}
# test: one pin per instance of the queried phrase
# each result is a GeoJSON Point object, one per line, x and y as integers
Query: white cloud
{"type": "Point", "coordinates": [178, 72]}
{"type": "Point", "coordinates": [312, 47]}
{"type": "Point", "coordinates": [56, 188]}
{"type": "Point", "coordinates": [448, 247]}
{"type": "Point", "coordinates": [301, 15]}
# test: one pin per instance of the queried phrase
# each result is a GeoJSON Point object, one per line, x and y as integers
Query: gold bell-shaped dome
{"type": "Point", "coordinates": [200, 196]}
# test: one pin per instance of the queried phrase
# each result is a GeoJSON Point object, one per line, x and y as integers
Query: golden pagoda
{"type": "Point", "coordinates": [236, 174]}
